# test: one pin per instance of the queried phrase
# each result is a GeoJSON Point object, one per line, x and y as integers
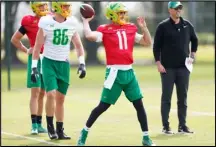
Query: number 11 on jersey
{"type": "Point", "coordinates": [121, 41]}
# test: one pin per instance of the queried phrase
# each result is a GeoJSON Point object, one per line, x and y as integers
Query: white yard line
{"type": "Point", "coordinates": [34, 139]}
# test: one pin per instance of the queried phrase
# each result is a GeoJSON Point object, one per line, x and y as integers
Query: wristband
{"type": "Point", "coordinates": [81, 60]}
{"type": "Point", "coordinates": [34, 63]}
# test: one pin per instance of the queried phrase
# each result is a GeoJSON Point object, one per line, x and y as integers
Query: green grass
{"type": "Point", "coordinates": [205, 54]}
{"type": "Point", "coordinates": [95, 76]}
{"type": "Point", "coordinates": [119, 125]}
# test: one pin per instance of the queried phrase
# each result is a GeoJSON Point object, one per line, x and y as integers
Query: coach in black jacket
{"type": "Point", "coordinates": [171, 48]}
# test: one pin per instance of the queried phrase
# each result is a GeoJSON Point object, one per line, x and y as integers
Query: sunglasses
{"type": "Point", "coordinates": [178, 8]}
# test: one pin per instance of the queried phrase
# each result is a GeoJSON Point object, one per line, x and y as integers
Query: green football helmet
{"type": "Point", "coordinates": [112, 10]}
{"type": "Point", "coordinates": [35, 8]}
{"type": "Point", "coordinates": [57, 8]}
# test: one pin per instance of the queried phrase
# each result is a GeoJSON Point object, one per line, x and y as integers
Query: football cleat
{"type": "Point", "coordinates": [51, 132]}
{"type": "Point", "coordinates": [82, 138]}
{"type": "Point", "coordinates": [147, 141]}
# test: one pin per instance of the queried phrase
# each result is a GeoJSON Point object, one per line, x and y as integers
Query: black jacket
{"type": "Point", "coordinates": [171, 42]}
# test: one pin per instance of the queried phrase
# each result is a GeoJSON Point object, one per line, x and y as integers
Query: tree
{"type": "Point", "coordinates": [159, 11]}
{"type": "Point", "coordinates": [91, 47]}
{"type": "Point", "coordinates": [10, 50]}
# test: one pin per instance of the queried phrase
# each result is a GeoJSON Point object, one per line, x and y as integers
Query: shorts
{"type": "Point", "coordinates": [39, 82]}
{"type": "Point", "coordinates": [125, 81]}
{"type": "Point", "coordinates": [56, 75]}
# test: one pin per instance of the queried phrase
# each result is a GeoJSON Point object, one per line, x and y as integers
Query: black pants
{"type": "Point", "coordinates": [179, 76]}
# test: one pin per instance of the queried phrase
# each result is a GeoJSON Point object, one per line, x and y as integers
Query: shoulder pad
{"type": "Point", "coordinates": [101, 27]}
{"type": "Point", "coordinates": [26, 20]}
{"type": "Point", "coordinates": [44, 20]}
{"type": "Point", "coordinates": [132, 25]}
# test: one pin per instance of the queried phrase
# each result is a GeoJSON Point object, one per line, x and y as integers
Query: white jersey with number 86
{"type": "Point", "coordinates": [57, 37]}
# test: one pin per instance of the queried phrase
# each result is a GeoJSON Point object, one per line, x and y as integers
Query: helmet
{"type": "Point", "coordinates": [57, 8]}
{"type": "Point", "coordinates": [35, 8]}
{"type": "Point", "coordinates": [112, 9]}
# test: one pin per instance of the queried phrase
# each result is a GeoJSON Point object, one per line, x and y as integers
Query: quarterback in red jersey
{"type": "Point", "coordinates": [118, 39]}
{"type": "Point", "coordinates": [29, 26]}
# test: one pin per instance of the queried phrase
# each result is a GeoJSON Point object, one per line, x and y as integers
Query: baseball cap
{"type": "Point", "coordinates": [174, 4]}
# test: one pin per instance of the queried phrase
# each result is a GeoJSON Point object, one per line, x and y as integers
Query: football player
{"type": "Point", "coordinates": [118, 39]}
{"type": "Point", "coordinates": [29, 26]}
{"type": "Point", "coordinates": [56, 32]}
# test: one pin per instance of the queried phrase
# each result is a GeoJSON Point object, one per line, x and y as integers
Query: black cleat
{"type": "Point", "coordinates": [51, 132]}
{"type": "Point", "coordinates": [62, 135]}
{"type": "Point", "coordinates": [167, 131]}
{"type": "Point", "coordinates": [184, 130]}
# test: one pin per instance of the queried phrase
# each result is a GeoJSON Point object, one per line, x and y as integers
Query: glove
{"type": "Point", "coordinates": [81, 71]}
{"type": "Point", "coordinates": [34, 75]}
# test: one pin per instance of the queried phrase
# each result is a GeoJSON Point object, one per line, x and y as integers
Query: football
{"type": "Point", "coordinates": [87, 11]}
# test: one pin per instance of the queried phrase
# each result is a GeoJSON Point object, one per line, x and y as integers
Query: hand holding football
{"type": "Point", "coordinates": [87, 11]}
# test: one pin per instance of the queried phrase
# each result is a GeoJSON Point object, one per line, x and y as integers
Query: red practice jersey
{"type": "Point", "coordinates": [30, 23]}
{"type": "Point", "coordinates": [118, 42]}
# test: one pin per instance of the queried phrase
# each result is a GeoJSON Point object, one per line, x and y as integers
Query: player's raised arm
{"type": "Point", "coordinates": [146, 37]}
{"type": "Point", "coordinates": [89, 34]}
{"type": "Point", "coordinates": [36, 53]}
{"type": "Point", "coordinates": [80, 53]}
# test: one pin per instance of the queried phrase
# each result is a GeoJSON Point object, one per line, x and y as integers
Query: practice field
{"type": "Point", "coordinates": [119, 125]}
{"type": "Point", "coordinates": [141, 54]}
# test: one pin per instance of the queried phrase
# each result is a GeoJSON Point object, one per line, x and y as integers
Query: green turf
{"type": "Point", "coordinates": [119, 125]}
{"type": "Point", "coordinates": [95, 76]}
{"type": "Point", "coordinates": [205, 53]}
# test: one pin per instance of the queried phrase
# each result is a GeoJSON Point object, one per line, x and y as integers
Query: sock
{"type": "Point", "coordinates": [49, 120]}
{"type": "Point", "coordinates": [34, 119]}
{"type": "Point", "coordinates": [145, 133]}
{"type": "Point", "coordinates": [86, 128]}
{"type": "Point", "coordinates": [39, 120]}
{"type": "Point", "coordinates": [59, 126]}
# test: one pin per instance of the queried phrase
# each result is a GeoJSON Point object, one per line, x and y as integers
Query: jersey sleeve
{"type": "Point", "coordinates": [25, 21]}
{"type": "Point", "coordinates": [99, 33]}
{"type": "Point", "coordinates": [138, 37]}
{"type": "Point", "coordinates": [42, 22]}
{"type": "Point", "coordinates": [100, 28]}
{"type": "Point", "coordinates": [74, 23]}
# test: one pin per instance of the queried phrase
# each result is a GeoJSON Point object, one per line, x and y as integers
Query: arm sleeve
{"type": "Point", "coordinates": [99, 36]}
{"type": "Point", "coordinates": [25, 21]}
{"type": "Point", "coordinates": [99, 33]}
{"type": "Point", "coordinates": [22, 30]}
{"type": "Point", "coordinates": [138, 37]}
{"type": "Point", "coordinates": [193, 39]}
{"type": "Point", "coordinates": [158, 43]}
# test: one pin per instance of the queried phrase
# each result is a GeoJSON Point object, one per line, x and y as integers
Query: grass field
{"type": "Point", "coordinates": [205, 54]}
{"type": "Point", "coordinates": [119, 125]}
